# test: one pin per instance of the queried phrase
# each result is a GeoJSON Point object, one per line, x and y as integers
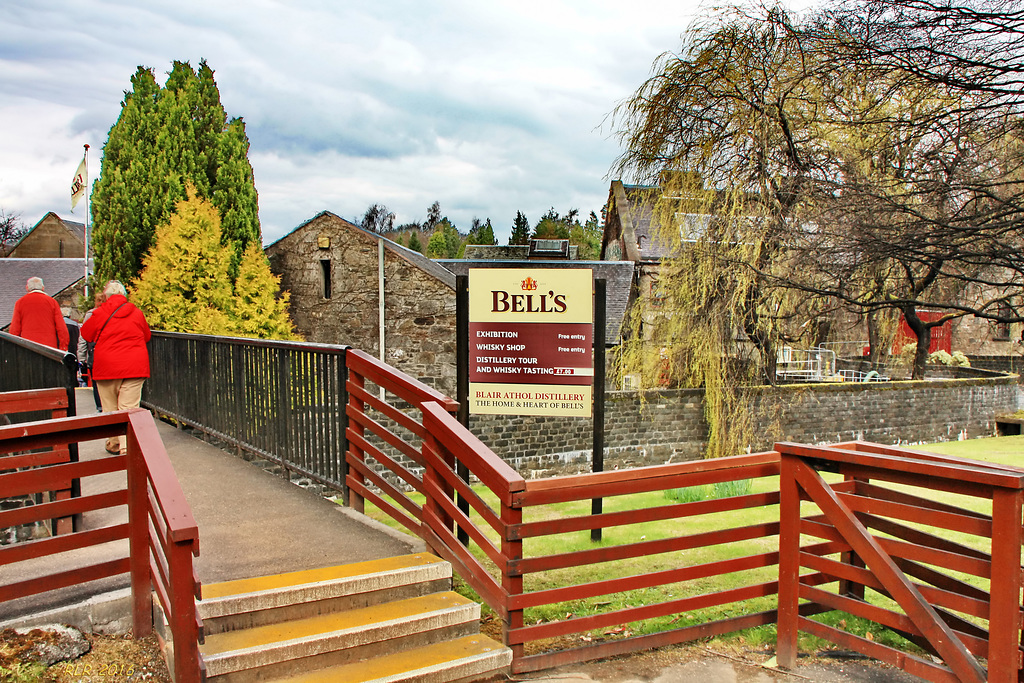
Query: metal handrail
{"type": "Point", "coordinates": [280, 400]}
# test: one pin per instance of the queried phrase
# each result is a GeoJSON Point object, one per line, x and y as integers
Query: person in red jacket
{"type": "Point", "coordinates": [120, 359]}
{"type": "Point", "coordinates": [37, 317]}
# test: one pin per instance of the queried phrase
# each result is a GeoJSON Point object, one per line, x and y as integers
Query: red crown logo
{"type": "Point", "coordinates": [529, 284]}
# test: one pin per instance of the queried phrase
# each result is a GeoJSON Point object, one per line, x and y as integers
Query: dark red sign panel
{"type": "Point", "coordinates": [531, 353]}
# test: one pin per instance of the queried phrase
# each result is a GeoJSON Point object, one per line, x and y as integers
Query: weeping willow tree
{"type": "Point", "coordinates": [798, 180]}
{"type": "Point", "coordinates": [722, 130]}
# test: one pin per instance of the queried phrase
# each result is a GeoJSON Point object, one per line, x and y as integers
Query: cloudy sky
{"type": "Point", "coordinates": [488, 107]}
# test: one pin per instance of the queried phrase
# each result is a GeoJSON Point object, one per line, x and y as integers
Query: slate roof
{"type": "Point", "coordinates": [77, 228]}
{"type": "Point", "coordinates": [414, 258]}
{"type": "Point", "coordinates": [618, 276]}
{"type": "Point", "coordinates": [58, 274]}
{"type": "Point", "coordinates": [640, 204]}
{"type": "Point", "coordinates": [638, 228]}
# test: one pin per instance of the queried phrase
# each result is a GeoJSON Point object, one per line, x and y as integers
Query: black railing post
{"type": "Point", "coordinates": [284, 405]}
{"type": "Point", "coordinates": [70, 363]}
{"type": "Point", "coordinates": [239, 400]}
{"type": "Point", "coordinates": [342, 411]}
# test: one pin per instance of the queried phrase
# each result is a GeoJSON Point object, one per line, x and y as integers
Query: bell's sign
{"type": "Point", "coordinates": [531, 332]}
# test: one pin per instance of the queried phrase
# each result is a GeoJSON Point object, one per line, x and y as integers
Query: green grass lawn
{"type": "Point", "coordinates": [1002, 450]}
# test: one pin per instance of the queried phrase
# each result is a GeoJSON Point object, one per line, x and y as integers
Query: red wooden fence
{"type": "Point", "coordinates": [162, 534]}
{"type": "Point", "coordinates": [825, 541]}
{"type": "Point", "coordinates": [415, 443]}
{"type": "Point", "coordinates": [958, 603]}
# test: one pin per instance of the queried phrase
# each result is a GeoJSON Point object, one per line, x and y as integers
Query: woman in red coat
{"type": "Point", "coordinates": [120, 358]}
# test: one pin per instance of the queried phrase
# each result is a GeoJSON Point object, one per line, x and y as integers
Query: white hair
{"type": "Point", "coordinates": [34, 284]}
{"type": "Point", "coordinates": [114, 287]}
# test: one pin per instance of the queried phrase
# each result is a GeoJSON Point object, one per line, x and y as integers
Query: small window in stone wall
{"type": "Point", "coordinates": [325, 277]}
{"type": "Point", "coordinates": [657, 294]}
{"type": "Point", "coordinates": [1001, 331]}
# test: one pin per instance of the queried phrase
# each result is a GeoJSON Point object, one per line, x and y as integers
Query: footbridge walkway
{"type": "Point", "coordinates": [252, 523]}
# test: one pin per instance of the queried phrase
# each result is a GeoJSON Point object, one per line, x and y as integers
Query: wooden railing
{"type": "Point", "coordinates": [876, 528]}
{"type": "Point", "coordinates": [161, 532]}
{"type": "Point", "coordinates": [385, 436]}
{"type": "Point", "coordinates": [51, 403]}
{"type": "Point", "coordinates": [897, 541]}
{"type": "Point", "coordinates": [415, 444]}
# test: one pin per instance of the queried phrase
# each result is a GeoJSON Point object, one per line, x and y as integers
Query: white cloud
{"type": "Point", "coordinates": [488, 108]}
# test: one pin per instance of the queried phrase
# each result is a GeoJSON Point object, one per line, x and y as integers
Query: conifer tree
{"type": "Point", "coordinates": [453, 239]}
{"type": "Point", "coordinates": [234, 192]}
{"type": "Point", "coordinates": [486, 234]}
{"type": "Point", "coordinates": [481, 233]}
{"type": "Point", "coordinates": [414, 241]}
{"type": "Point", "coordinates": [125, 209]}
{"type": "Point", "coordinates": [258, 312]}
{"type": "Point", "coordinates": [520, 230]}
{"type": "Point", "coordinates": [587, 237]}
{"type": "Point", "coordinates": [184, 285]}
{"type": "Point", "coordinates": [167, 137]}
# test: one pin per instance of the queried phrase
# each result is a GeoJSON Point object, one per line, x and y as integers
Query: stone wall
{"type": "Point", "coordinates": [977, 337]}
{"type": "Point", "coordinates": [420, 330]}
{"type": "Point", "coordinates": [1009, 364]}
{"type": "Point", "coordinates": [669, 425]}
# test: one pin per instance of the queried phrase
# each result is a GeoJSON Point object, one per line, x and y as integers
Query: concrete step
{"type": "Point", "coordinates": [470, 658]}
{"type": "Point", "coordinates": [317, 642]}
{"type": "Point", "coordinates": [248, 603]}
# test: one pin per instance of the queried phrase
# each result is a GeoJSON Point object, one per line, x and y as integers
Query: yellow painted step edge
{"type": "Point", "coordinates": [418, 660]}
{"type": "Point", "coordinates": [274, 581]}
{"type": "Point", "coordinates": [310, 627]}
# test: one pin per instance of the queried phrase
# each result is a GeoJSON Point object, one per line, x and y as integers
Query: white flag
{"type": "Point", "coordinates": [79, 183]}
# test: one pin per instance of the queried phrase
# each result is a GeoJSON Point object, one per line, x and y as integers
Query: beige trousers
{"type": "Point", "coordinates": [120, 394]}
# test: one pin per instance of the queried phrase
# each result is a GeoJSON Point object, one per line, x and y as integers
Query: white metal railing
{"type": "Point", "coordinates": [818, 365]}
{"type": "Point", "coordinates": [808, 365]}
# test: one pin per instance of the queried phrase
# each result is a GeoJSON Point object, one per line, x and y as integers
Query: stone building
{"type": "Point", "coordinates": [52, 250]}
{"type": "Point", "coordinates": [334, 269]}
{"type": "Point", "coordinates": [348, 285]}
{"type": "Point", "coordinates": [52, 237]}
{"type": "Point", "coordinates": [631, 233]}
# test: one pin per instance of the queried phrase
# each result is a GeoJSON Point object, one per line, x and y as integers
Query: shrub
{"type": "Point", "coordinates": [960, 360]}
{"type": "Point", "coordinates": [957, 359]}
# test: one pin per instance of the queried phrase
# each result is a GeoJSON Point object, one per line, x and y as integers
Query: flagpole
{"type": "Point", "coordinates": [88, 301]}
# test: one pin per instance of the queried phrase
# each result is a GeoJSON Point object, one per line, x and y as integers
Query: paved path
{"type": "Point", "coordinates": [251, 523]}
